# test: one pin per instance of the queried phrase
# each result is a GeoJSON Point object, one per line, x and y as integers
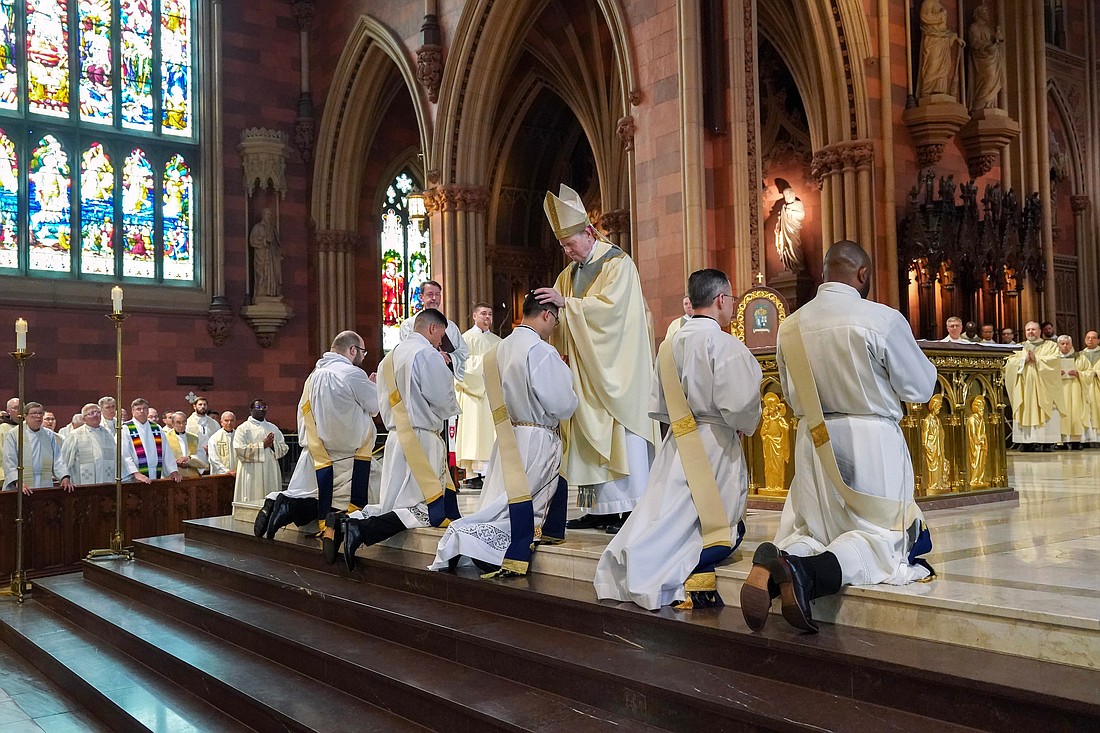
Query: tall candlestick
{"type": "Point", "coordinates": [20, 335]}
{"type": "Point", "coordinates": [116, 298]}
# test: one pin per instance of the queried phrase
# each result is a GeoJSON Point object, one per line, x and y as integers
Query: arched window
{"type": "Point", "coordinates": [406, 258]}
{"type": "Point", "coordinates": [98, 141]}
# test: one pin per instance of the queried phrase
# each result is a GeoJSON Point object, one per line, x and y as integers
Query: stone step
{"type": "Point", "coordinates": [652, 688]}
{"type": "Point", "coordinates": [262, 694]}
{"type": "Point", "coordinates": [110, 685]}
{"type": "Point", "coordinates": [984, 689]}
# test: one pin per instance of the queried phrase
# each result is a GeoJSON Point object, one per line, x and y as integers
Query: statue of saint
{"type": "Point", "coordinates": [775, 436]}
{"type": "Point", "coordinates": [977, 443]}
{"type": "Point", "coordinates": [788, 230]}
{"type": "Point", "coordinates": [987, 60]}
{"type": "Point", "coordinates": [938, 60]}
{"type": "Point", "coordinates": [267, 257]}
{"type": "Point", "coordinates": [936, 469]}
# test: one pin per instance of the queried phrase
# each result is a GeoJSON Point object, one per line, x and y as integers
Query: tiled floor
{"type": "Point", "coordinates": [29, 702]}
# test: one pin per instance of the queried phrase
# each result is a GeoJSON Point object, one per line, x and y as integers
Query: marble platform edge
{"type": "Point", "coordinates": [926, 503]}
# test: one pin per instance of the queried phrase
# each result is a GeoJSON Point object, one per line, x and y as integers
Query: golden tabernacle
{"type": "Point", "coordinates": [956, 440]}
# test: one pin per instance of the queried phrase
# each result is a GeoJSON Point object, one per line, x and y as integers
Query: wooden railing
{"type": "Point", "coordinates": [61, 528]}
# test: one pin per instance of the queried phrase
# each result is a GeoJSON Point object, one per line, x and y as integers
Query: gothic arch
{"type": "Point", "coordinates": [364, 74]}
{"type": "Point", "coordinates": [1075, 155]}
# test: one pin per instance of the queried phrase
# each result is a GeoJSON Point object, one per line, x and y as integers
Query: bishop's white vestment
{"type": "Point", "coordinates": [660, 544]}
{"type": "Point", "coordinates": [90, 455]}
{"type": "Point", "coordinates": [865, 362]}
{"type": "Point", "coordinates": [258, 470]}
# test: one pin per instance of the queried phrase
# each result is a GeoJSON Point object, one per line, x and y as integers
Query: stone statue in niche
{"type": "Point", "coordinates": [987, 60]}
{"type": "Point", "coordinates": [788, 228]}
{"type": "Point", "coordinates": [939, 60]}
{"type": "Point", "coordinates": [267, 257]}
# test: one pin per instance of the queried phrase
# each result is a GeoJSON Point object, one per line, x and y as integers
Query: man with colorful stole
{"type": "Point", "coordinates": [846, 365]}
{"type": "Point", "coordinates": [89, 451]}
{"type": "Point", "coordinates": [474, 441]}
{"type": "Point", "coordinates": [146, 454]}
{"type": "Point", "coordinates": [1033, 380]}
{"type": "Point", "coordinates": [418, 397]}
{"type": "Point", "coordinates": [607, 341]}
{"type": "Point", "coordinates": [336, 431]}
{"type": "Point", "coordinates": [223, 458]}
{"type": "Point", "coordinates": [42, 460]}
{"type": "Point", "coordinates": [259, 445]}
{"type": "Point", "coordinates": [690, 517]}
{"type": "Point", "coordinates": [1091, 381]}
{"type": "Point", "coordinates": [189, 451]}
{"type": "Point", "coordinates": [1073, 414]}
{"type": "Point", "coordinates": [522, 504]}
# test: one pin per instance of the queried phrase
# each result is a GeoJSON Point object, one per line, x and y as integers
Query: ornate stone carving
{"type": "Point", "coordinates": [337, 240]}
{"type": "Point", "coordinates": [979, 165]}
{"type": "Point", "coordinates": [984, 136]}
{"type": "Point", "coordinates": [1078, 203]}
{"type": "Point", "coordinates": [219, 321]}
{"type": "Point", "coordinates": [305, 127]}
{"type": "Point", "coordinates": [635, 97]}
{"type": "Point", "coordinates": [457, 197]}
{"type": "Point", "coordinates": [266, 316]}
{"type": "Point", "coordinates": [932, 123]}
{"type": "Point", "coordinates": [303, 13]}
{"type": "Point", "coordinates": [263, 158]}
{"type": "Point", "coordinates": [849, 155]}
{"type": "Point", "coordinates": [429, 57]}
{"type": "Point", "coordinates": [616, 221]}
{"type": "Point", "coordinates": [625, 130]}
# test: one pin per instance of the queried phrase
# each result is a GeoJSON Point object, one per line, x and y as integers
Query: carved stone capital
{"type": "Point", "coordinates": [979, 165]}
{"type": "Point", "coordinates": [932, 123]}
{"type": "Point", "coordinates": [219, 321]}
{"type": "Point", "coordinates": [266, 316]}
{"type": "Point", "coordinates": [1079, 203]}
{"type": "Point", "coordinates": [456, 197]}
{"type": "Point", "coordinates": [337, 240]}
{"type": "Point", "coordinates": [625, 130]}
{"type": "Point", "coordinates": [635, 97]}
{"type": "Point", "coordinates": [429, 70]}
{"type": "Point", "coordinates": [263, 158]}
{"type": "Point", "coordinates": [984, 136]}
{"type": "Point", "coordinates": [616, 221]}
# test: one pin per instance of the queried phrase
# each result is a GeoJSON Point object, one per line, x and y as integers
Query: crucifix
{"type": "Point", "coordinates": [760, 278]}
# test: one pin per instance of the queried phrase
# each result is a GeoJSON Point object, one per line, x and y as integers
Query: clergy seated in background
{"type": "Point", "coordinates": [970, 332]}
{"type": "Point", "coordinates": [223, 459]}
{"type": "Point", "coordinates": [523, 502]}
{"type": "Point", "coordinates": [955, 332]}
{"type": "Point", "coordinates": [474, 441]}
{"type": "Point", "coordinates": [691, 515]}
{"type": "Point", "coordinates": [987, 334]}
{"type": "Point", "coordinates": [418, 397]}
{"type": "Point", "coordinates": [1008, 337]}
{"type": "Point", "coordinates": [336, 431]}
{"type": "Point", "coordinates": [190, 453]}
{"type": "Point", "coordinates": [846, 365]}
{"type": "Point", "coordinates": [678, 323]}
{"type": "Point", "coordinates": [259, 445]}
{"type": "Point", "coordinates": [1074, 410]}
{"type": "Point", "coordinates": [1033, 380]}
{"type": "Point", "coordinates": [42, 460]}
{"type": "Point", "coordinates": [1090, 381]}
{"type": "Point", "coordinates": [146, 454]}
{"type": "Point", "coordinates": [89, 451]}
{"type": "Point", "coordinates": [607, 342]}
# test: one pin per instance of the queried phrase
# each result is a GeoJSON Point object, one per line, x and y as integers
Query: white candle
{"type": "Point", "coordinates": [20, 335]}
{"type": "Point", "coordinates": [116, 298]}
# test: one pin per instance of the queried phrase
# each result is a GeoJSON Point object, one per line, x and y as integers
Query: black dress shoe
{"type": "Point", "coordinates": [353, 538]}
{"type": "Point", "coordinates": [616, 524]}
{"type": "Point", "coordinates": [280, 516]}
{"type": "Point", "coordinates": [591, 521]}
{"type": "Point", "coordinates": [758, 591]}
{"type": "Point", "coordinates": [260, 527]}
{"type": "Point", "coordinates": [332, 536]}
{"type": "Point", "coordinates": [794, 591]}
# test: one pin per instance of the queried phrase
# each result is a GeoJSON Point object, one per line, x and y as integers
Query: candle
{"type": "Point", "coordinates": [20, 335]}
{"type": "Point", "coordinates": [116, 298]}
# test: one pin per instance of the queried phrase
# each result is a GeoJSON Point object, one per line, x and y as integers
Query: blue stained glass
{"type": "Point", "coordinates": [175, 69]}
{"type": "Point", "coordinates": [178, 231]}
{"type": "Point", "coordinates": [9, 203]}
{"type": "Point", "coordinates": [136, 37]}
{"type": "Point", "coordinates": [50, 215]}
{"type": "Point", "coordinates": [138, 246]}
{"type": "Point", "coordinates": [48, 57]}
{"type": "Point", "coordinates": [96, 94]}
{"type": "Point", "coordinates": [97, 212]}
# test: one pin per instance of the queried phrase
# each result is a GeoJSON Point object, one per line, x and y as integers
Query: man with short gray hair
{"type": "Point", "coordinates": [89, 450]}
{"type": "Point", "coordinates": [42, 461]}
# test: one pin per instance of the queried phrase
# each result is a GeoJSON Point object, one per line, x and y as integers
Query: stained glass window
{"type": "Point", "coordinates": [98, 146]}
{"type": "Point", "coordinates": [406, 259]}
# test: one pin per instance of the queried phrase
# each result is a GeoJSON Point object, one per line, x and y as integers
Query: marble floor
{"type": "Point", "coordinates": [1019, 576]}
{"type": "Point", "coordinates": [30, 703]}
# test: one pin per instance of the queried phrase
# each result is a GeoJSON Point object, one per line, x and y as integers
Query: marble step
{"type": "Point", "coordinates": [977, 686]}
{"type": "Point", "coordinates": [668, 691]}
{"type": "Point", "coordinates": [263, 695]}
{"type": "Point", "coordinates": [436, 688]}
{"type": "Point", "coordinates": [115, 688]}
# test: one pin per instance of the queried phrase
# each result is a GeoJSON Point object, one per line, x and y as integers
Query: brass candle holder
{"type": "Point", "coordinates": [18, 587]}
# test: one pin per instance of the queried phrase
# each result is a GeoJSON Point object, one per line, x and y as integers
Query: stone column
{"type": "Point", "coordinates": [616, 224]}
{"type": "Point", "coordinates": [844, 171]}
{"type": "Point", "coordinates": [458, 256]}
{"type": "Point", "coordinates": [692, 173]}
{"type": "Point", "coordinates": [1086, 264]}
{"type": "Point", "coordinates": [336, 251]}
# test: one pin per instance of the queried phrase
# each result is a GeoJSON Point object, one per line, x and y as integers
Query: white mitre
{"type": "Point", "coordinates": [565, 212]}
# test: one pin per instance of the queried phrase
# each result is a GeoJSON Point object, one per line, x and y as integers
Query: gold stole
{"type": "Point", "coordinates": [511, 463]}
{"type": "Point", "coordinates": [415, 457]}
{"type": "Point", "coordinates": [311, 439]}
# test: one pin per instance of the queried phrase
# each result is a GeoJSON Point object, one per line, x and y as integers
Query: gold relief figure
{"type": "Point", "coordinates": [774, 434]}
{"type": "Point", "coordinates": [977, 443]}
{"type": "Point", "coordinates": [935, 457]}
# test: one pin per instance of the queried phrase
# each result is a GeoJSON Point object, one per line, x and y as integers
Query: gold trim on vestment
{"type": "Point", "coordinates": [820, 434]}
{"type": "Point", "coordinates": [697, 582]}
{"type": "Point", "coordinates": [684, 425]}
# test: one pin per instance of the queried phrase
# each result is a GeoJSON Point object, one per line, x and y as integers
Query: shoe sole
{"type": "Point", "coordinates": [792, 612]}
{"type": "Point", "coordinates": [331, 545]}
{"type": "Point", "coordinates": [756, 601]}
{"type": "Point", "coordinates": [259, 527]}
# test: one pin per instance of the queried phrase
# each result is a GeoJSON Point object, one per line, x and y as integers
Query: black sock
{"type": "Point", "coordinates": [375, 529]}
{"type": "Point", "coordinates": [823, 572]}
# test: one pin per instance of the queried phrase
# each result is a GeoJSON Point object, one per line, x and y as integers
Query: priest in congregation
{"type": "Point", "coordinates": [1091, 384]}
{"type": "Point", "coordinates": [89, 451]}
{"type": "Point", "coordinates": [1073, 413]}
{"type": "Point", "coordinates": [258, 444]}
{"type": "Point", "coordinates": [527, 377]}
{"type": "Point", "coordinates": [474, 440]}
{"type": "Point", "coordinates": [42, 460]}
{"type": "Point", "coordinates": [1033, 381]}
{"type": "Point", "coordinates": [607, 341]}
{"type": "Point", "coordinates": [223, 459]}
{"type": "Point", "coordinates": [691, 516]}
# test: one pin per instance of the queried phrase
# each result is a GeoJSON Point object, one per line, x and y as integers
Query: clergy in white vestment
{"type": "Point", "coordinates": [537, 389]}
{"type": "Point", "coordinates": [1073, 414]}
{"type": "Point", "coordinates": [259, 445]}
{"type": "Point", "coordinates": [200, 423]}
{"type": "Point", "coordinates": [10, 421]}
{"type": "Point", "coordinates": [1091, 382]}
{"type": "Point", "coordinates": [474, 440]}
{"type": "Point", "coordinates": [109, 408]}
{"type": "Point", "coordinates": [452, 346]}
{"type": "Point", "coordinates": [89, 451]}
{"type": "Point", "coordinates": [336, 431]}
{"type": "Point", "coordinates": [1033, 382]}
{"type": "Point", "coordinates": [678, 323]}
{"type": "Point", "coordinates": [42, 460]}
{"type": "Point", "coordinates": [146, 454]}
{"type": "Point", "coordinates": [659, 557]}
{"type": "Point", "coordinates": [189, 451]}
{"type": "Point", "coordinates": [955, 332]}
{"type": "Point", "coordinates": [223, 459]}
{"type": "Point", "coordinates": [418, 397]}
{"type": "Point", "coordinates": [850, 517]}
{"type": "Point", "coordinates": [76, 421]}
{"type": "Point", "coordinates": [607, 340]}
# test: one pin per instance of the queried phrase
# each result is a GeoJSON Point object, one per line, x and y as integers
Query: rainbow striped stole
{"type": "Point", "coordinates": [139, 447]}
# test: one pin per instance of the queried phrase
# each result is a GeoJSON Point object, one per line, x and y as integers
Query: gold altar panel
{"type": "Point", "coordinates": [956, 440]}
